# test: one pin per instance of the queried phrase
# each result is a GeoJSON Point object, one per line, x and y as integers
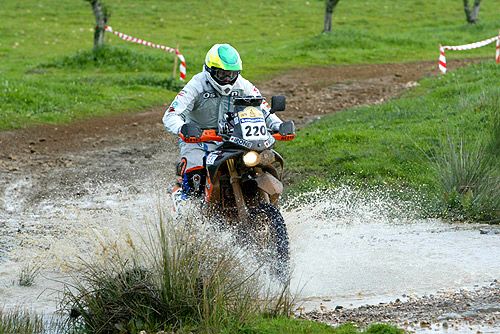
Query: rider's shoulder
{"type": "Point", "coordinates": [241, 82]}
{"type": "Point", "coordinates": [197, 82]}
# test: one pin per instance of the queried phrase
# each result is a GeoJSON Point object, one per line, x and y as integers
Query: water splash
{"type": "Point", "coordinates": [351, 247]}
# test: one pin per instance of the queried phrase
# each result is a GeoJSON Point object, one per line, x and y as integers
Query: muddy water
{"type": "Point", "coordinates": [348, 248]}
{"type": "Point", "coordinates": [351, 249]}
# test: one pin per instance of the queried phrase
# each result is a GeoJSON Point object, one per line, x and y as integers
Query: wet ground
{"type": "Point", "coordinates": [374, 260]}
{"type": "Point", "coordinates": [64, 189]}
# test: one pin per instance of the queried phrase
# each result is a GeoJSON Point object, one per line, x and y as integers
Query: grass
{"type": "Point", "coordinates": [389, 144]}
{"type": "Point", "coordinates": [296, 326]}
{"type": "Point", "coordinates": [468, 175]}
{"type": "Point", "coordinates": [28, 274]}
{"type": "Point", "coordinates": [20, 322]}
{"type": "Point", "coordinates": [49, 75]}
{"type": "Point", "coordinates": [180, 280]}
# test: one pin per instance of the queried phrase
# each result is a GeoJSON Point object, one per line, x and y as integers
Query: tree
{"type": "Point", "coordinates": [471, 15]}
{"type": "Point", "coordinates": [330, 7]}
{"type": "Point", "coordinates": [102, 15]}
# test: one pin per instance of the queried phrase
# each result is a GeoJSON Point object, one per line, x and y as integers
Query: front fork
{"type": "Point", "coordinates": [238, 193]}
{"type": "Point", "coordinates": [235, 181]}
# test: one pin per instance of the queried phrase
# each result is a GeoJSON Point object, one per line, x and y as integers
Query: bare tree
{"type": "Point", "coordinates": [330, 7]}
{"type": "Point", "coordinates": [471, 15]}
{"type": "Point", "coordinates": [102, 15]}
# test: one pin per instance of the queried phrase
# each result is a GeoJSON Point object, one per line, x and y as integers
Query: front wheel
{"type": "Point", "coordinates": [271, 237]}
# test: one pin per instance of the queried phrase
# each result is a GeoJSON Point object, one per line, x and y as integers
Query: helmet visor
{"type": "Point", "coordinates": [225, 77]}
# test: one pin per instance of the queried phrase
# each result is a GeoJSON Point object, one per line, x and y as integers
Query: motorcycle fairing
{"type": "Point", "coordinates": [217, 158]}
{"type": "Point", "coordinates": [250, 130]}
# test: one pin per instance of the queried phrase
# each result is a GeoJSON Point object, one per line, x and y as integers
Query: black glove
{"type": "Point", "coordinates": [287, 128]}
{"type": "Point", "coordinates": [191, 130]}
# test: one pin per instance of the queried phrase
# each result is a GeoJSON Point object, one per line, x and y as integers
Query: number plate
{"type": "Point", "coordinates": [253, 124]}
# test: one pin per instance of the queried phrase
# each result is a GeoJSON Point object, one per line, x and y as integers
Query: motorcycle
{"type": "Point", "coordinates": [244, 174]}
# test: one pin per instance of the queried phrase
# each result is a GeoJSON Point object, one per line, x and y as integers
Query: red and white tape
{"type": "Point", "coordinates": [182, 65]}
{"type": "Point", "coordinates": [442, 57]}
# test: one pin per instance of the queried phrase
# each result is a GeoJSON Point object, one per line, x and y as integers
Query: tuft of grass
{"type": "Point", "coordinates": [470, 180]}
{"type": "Point", "coordinates": [178, 280]}
{"type": "Point", "coordinates": [28, 274]}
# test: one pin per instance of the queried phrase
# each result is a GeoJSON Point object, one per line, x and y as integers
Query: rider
{"type": "Point", "coordinates": [203, 102]}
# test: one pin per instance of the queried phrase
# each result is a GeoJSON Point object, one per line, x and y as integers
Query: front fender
{"type": "Point", "coordinates": [269, 184]}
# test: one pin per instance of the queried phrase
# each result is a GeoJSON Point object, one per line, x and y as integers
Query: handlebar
{"type": "Point", "coordinates": [206, 135]}
{"type": "Point", "coordinates": [211, 135]}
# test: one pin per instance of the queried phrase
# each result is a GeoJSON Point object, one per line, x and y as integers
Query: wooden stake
{"type": "Point", "coordinates": [174, 71]}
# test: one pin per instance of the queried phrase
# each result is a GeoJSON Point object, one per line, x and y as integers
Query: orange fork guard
{"type": "Point", "coordinates": [207, 135]}
{"type": "Point", "coordinates": [281, 137]}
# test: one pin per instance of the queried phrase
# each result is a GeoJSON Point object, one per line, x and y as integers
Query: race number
{"type": "Point", "coordinates": [253, 124]}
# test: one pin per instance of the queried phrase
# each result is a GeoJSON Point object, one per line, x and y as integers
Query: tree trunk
{"type": "Point", "coordinates": [471, 15]}
{"type": "Point", "coordinates": [330, 7]}
{"type": "Point", "coordinates": [101, 19]}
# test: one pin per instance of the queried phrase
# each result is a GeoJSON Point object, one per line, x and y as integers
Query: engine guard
{"type": "Point", "coordinates": [269, 184]}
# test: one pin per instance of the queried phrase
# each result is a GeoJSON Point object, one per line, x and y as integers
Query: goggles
{"type": "Point", "coordinates": [223, 76]}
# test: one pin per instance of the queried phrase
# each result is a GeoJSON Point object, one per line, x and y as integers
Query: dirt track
{"type": "Point", "coordinates": [131, 150]}
{"type": "Point", "coordinates": [310, 94]}
{"type": "Point", "coordinates": [96, 164]}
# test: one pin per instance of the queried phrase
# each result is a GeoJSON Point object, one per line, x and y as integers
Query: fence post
{"type": "Point", "coordinates": [174, 71]}
{"type": "Point", "coordinates": [497, 54]}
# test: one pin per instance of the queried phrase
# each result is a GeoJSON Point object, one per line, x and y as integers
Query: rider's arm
{"type": "Point", "coordinates": [183, 103]}
{"type": "Point", "coordinates": [272, 121]}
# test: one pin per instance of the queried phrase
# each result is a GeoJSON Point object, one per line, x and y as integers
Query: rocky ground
{"type": "Point", "coordinates": [466, 310]}
{"type": "Point", "coordinates": [130, 153]}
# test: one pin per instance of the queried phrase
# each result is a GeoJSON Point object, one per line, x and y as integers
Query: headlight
{"type": "Point", "coordinates": [251, 159]}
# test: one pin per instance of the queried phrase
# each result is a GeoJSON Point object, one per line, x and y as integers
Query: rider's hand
{"type": "Point", "coordinates": [287, 128]}
{"type": "Point", "coordinates": [189, 130]}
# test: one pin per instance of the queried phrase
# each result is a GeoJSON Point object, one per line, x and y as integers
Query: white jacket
{"type": "Point", "coordinates": [198, 102]}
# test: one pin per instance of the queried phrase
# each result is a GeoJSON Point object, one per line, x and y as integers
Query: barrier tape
{"type": "Point", "coordinates": [182, 65]}
{"type": "Point", "coordinates": [442, 57]}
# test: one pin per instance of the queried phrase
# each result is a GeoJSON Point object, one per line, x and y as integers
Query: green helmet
{"type": "Point", "coordinates": [223, 63]}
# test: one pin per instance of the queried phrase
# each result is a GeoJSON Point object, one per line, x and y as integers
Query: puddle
{"type": "Point", "coordinates": [347, 249]}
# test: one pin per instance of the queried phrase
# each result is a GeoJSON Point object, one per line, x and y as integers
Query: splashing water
{"type": "Point", "coordinates": [353, 248]}
{"type": "Point", "coordinates": [348, 247]}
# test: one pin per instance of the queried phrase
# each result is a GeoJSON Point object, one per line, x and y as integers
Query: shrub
{"type": "Point", "coordinates": [469, 178]}
{"type": "Point", "coordinates": [180, 279]}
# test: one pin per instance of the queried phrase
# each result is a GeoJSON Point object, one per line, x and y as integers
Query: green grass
{"type": "Point", "coordinates": [20, 322]}
{"type": "Point", "coordinates": [23, 321]}
{"type": "Point", "coordinates": [390, 144]}
{"type": "Point", "coordinates": [296, 326]}
{"type": "Point", "coordinates": [48, 74]}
